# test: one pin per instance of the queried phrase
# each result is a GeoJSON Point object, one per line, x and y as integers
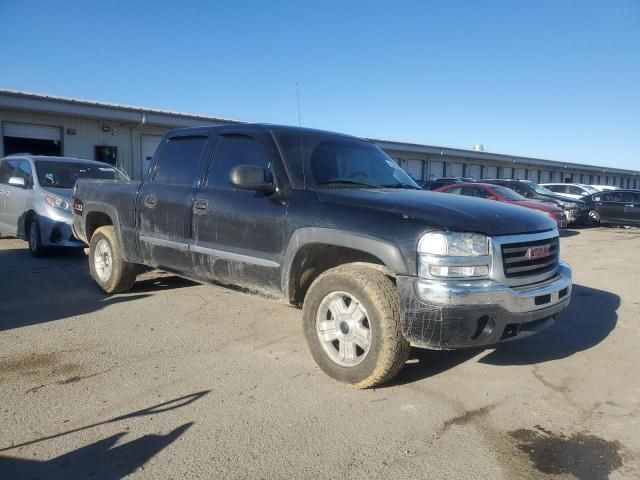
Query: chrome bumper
{"type": "Point", "coordinates": [513, 299]}
{"type": "Point", "coordinates": [457, 314]}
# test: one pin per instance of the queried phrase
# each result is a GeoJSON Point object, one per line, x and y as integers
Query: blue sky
{"type": "Point", "coordinates": [555, 79]}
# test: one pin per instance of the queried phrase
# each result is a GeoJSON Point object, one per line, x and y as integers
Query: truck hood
{"type": "Point", "coordinates": [442, 211]}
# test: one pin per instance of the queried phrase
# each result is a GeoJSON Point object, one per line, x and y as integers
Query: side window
{"type": "Point", "coordinates": [180, 161]}
{"type": "Point", "coordinates": [523, 191]}
{"type": "Point", "coordinates": [454, 190]}
{"type": "Point", "coordinates": [7, 169]}
{"type": "Point", "coordinates": [23, 170]}
{"type": "Point", "coordinates": [636, 199]}
{"type": "Point", "coordinates": [612, 197]}
{"type": "Point", "coordinates": [233, 150]}
{"type": "Point", "coordinates": [573, 190]}
{"type": "Point", "coordinates": [479, 192]}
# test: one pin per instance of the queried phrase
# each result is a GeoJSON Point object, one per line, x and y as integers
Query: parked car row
{"type": "Point", "coordinates": [582, 204]}
{"type": "Point", "coordinates": [504, 194]}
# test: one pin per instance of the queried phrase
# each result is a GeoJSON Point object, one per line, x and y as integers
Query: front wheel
{"type": "Point", "coordinates": [35, 239]}
{"type": "Point", "coordinates": [352, 326]}
{"type": "Point", "coordinates": [594, 217]}
{"type": "Point", "coordinates": [108, 268]}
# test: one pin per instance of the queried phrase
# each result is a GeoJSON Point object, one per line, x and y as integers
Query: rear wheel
{"type": "Point", "coordinates": [108, 268]}
{"type": "Point", "coordinates": [35, 239]}
{"type": "Point", "coordinates": [352, 326]}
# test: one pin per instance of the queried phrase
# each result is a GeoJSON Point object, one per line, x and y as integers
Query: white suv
{"type": "Point", "coordinates": [570, 190]}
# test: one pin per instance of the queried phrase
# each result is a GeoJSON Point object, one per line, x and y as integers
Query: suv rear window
{"type": "Point", "coordinates": [180, 161]}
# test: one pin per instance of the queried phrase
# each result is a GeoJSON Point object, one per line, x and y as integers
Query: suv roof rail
{"type": "Point", "coordinates": [18, 154]}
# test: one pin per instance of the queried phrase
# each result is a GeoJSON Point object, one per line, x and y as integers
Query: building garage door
{"type": "Point", "coordinates": [490, 171]}
{"type": "Point", "coordinates": [414, 168]}
{"type": "Point", "coordinates": [436, 169]}
{"type": "Point", "coordinates": [456, 170]}
{"type": "Point", "coordinates": [148, 145]}
{"type": "Point", "coordinates": [545, 176]}
{"type": "Point", "coordinates": [34, 139]}
{"type": "Point", "coordinates": [507, 172]}
{"type": "Point", "coordinates": [521, 173]}
{"type": "Point", "coordinates": [475, 171]}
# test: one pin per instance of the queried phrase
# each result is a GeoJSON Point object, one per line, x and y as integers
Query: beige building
{"type": "Point", "coordinates": [127, 136]}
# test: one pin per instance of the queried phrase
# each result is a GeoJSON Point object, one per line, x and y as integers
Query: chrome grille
{"type": "Point", "coordinates": [517, 262]}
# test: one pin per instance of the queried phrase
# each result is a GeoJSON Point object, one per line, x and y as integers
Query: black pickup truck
{"type": "Point", "coordinates": [329, 223]}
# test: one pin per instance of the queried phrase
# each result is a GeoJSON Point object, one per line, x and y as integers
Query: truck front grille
{"type": "Point", "coordinates": [530, 258]}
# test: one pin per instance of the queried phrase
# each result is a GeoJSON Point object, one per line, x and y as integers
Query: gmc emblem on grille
{"type": "Point", "coordinates": [538, 252]}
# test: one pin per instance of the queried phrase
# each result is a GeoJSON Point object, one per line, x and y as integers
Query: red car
{"type": "Point", "coordinates": [504, 194]}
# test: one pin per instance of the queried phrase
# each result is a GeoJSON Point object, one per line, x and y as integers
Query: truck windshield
{"type": "Point", "coordinates": [323, 159]}
{"type": "Point", "coordinates": [65, 174]}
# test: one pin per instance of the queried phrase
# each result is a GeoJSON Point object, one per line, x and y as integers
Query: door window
{"type": "Point", "coordinates": [23, 170]}
{"type": "Point", "coordinates": [573, 190]}
{"type": "Point", "coordinates": [180, 161]}
{"type": "Point", "coordinates": [233, 150]}
{"type": "Point", "coordinates": [475, 192]}
{"type": "Point", "coordinates": [7, 170]}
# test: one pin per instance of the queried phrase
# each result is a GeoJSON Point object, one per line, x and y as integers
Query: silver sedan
{"type": "Point", "coordinates": [35, 197]}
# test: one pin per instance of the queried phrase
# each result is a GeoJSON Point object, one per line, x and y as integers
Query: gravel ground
{"type": "Point", "coordinates": [176, 380]}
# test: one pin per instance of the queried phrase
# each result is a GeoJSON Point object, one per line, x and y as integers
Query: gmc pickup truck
{"type": "Point", "coordinates": [331, 224]}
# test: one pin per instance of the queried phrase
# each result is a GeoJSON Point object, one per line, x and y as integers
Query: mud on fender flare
{"type": "Point", "coordinates": [388, 253]}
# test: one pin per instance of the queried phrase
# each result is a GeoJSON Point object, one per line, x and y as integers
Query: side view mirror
{"type": "Point", "coordinates": [17, 182]}
{"type": "Point", "coordinates": [250, 177]}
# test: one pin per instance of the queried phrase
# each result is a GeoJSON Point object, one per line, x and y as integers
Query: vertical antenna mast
{"type": "Point", "coordinates": [304, 177]}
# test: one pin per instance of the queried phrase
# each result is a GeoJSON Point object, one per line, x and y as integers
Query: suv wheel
{"type": "Point", "coordinates": [594, 217]}
{"type": "Point", "coordinates": [108, 268]}
{"type": "Point", "coordinates": [352, 326]}
{"type": "Point", "coordinates": [35, 240]}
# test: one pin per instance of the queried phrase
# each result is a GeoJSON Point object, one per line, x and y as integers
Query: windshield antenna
{"type": "Point", "coordinates": [304, 177]}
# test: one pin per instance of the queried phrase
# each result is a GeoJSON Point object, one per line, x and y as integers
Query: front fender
{"type": "Point", "coordinates": [388, 253]}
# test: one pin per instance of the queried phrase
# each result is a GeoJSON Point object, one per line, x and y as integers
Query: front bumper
{"type": "Point", "coordinates": [57, 232]}
{"type": "Point", "coordinates": [456, 314]}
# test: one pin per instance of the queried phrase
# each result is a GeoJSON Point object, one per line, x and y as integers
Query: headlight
{"type": "Point", "coordinates": [454, 244]}
{"type": "Point", "coordinates": [57, 202]}
{"type": "Point", "coordinates": [453, 255]}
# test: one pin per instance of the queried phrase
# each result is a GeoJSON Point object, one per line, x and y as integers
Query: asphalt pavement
{"type": "Point", "coordinates": [181, 380]}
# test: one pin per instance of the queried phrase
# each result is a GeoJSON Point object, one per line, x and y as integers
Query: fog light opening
{"type": "Point", "coordinates": [484, 328]}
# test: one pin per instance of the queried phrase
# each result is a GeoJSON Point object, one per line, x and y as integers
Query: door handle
{"type": "Point", "coordinates": [200, 206]}
{"type": "Point", "coordinates": [150, 201]}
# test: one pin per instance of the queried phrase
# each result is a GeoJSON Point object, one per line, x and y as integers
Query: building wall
{"type": "Point", "coordinates": [421, 166]}
{"type": "Point", "coordinates": [88, 134]}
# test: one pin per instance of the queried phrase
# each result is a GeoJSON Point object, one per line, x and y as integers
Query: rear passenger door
{"type": "Point", "coordinates": [164, 203]}
{"type": "Point", "coordinates": [611, 207]}
{"type": "Point", "coordinates": [239, 234]}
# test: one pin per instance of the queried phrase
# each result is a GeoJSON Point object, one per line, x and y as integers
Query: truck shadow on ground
{"type": "Point", "coordinates": [589, 319]}
{"type": "Point", "coordinates": [564, 233]}
{"type": "Point", "coordinates": [59, 286]}
{"type": "Point", "coordinates": [100, 459]}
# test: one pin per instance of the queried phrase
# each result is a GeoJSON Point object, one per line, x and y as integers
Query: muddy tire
{"type": "Point", "coordinates": [351, 318]}
{"type": "Point", "coordinates": [108, 267]}
{"type": "Point", "coordinates": [35, 239]}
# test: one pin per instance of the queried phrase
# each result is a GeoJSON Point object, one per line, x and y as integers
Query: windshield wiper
{"type": "Point", "coordinates": [346, 181]}
{"type": "Point", "coordinates": [401, 185]}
